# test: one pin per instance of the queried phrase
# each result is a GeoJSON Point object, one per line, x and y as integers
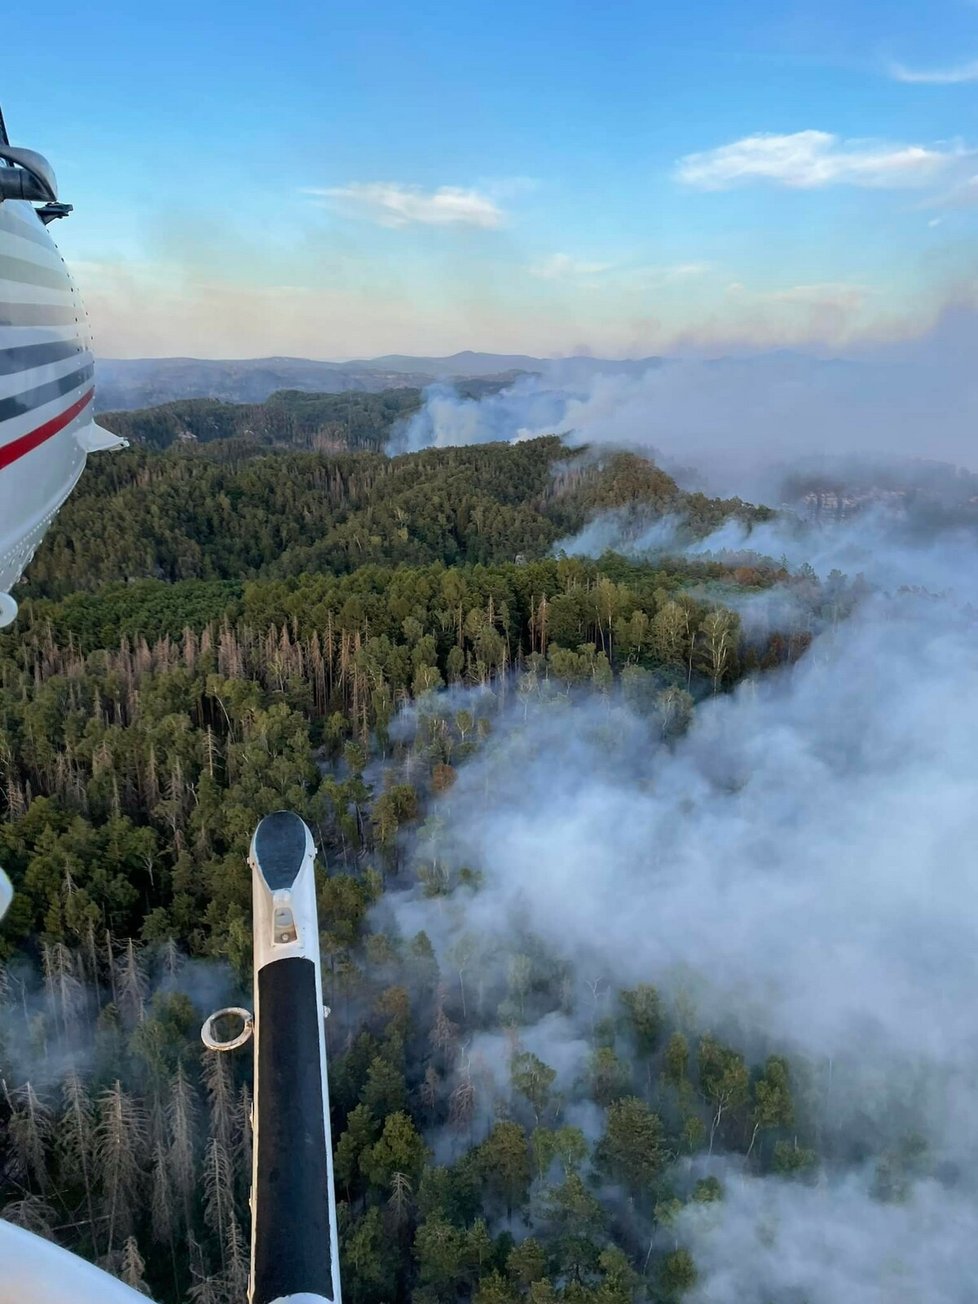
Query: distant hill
{"type": "Point", "coordinates": [125, 383]}
{"type": "Point", "coordinates": [467, 364]}
{"type": "Point", "coordinates": [144, 382]}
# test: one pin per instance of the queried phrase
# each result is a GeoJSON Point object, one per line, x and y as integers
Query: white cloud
{"type": "Point", "coordinates": [962, 195]}
{"type": "Point", "coordinates": [684, 271]}
{"type": "Point", "coordinates": [834, 293]}
{"type": "Point", "coordinates": [669, 274]}
{"type": "Point", "coordinates": [952, 76]}
{"type": "Point", "coordinates": [561, 267]}
{"type": "Point", "coordinates": [809, 159]}
{"type": "Point", "coordinates": [391, 204]}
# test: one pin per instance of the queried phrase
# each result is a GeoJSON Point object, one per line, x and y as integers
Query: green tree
{"type": "Point", "coordinates": [369, 1267]}
{"type": "Point", "coordinates": [527, 1262]}
{"type": "Point", "coordinates": [643, 1010]}
{"type": "Point", "coordinates": [724, 1081]}
{"type": "Point", "coordinates": [575, 1226]}
{"type": "Point", "coordinates": [773, 1106]}
{"type": "Point", "coordinates": [504, 1162]}
{"type": "Point", "coordinates": [533, 1080]}
{"type": "Point", "coordinates": [631, 1150]}
{"type": "Point", "coordinates": [677, 1273]}
{"type": "Point", "coordinates": [608, 1077]}
{"type": "Point", "coordinates": [677, 1060]}
{"type": "Point", "coordinates": [440, 1252]}
{"type": "Point", "coordinates": [354, 1143]}
{"type": "Point", "coordinates": [399, 1150]}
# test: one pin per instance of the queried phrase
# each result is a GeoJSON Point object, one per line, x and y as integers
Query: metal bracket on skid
{"type": "Point", "coordinates": [212, 1042]}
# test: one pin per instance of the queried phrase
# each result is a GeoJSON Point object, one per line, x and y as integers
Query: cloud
{"type": "Point", "coordinates": [842, 297]}
{"type": "Point", "coordinates": [818, 291]}
{"type": "Point", "coordinates": [668, 275]}
{"type": "Point", "coordinates": [962, 195]}
{"type": "Point", "coordinates": [561, 267]}
{"type": "Point", "coordinates": [683, 271]}
{"type": "Point", "coordinates": [390, 204]}
{"type": "Point", "coordinates": [807, 160]}
{"type": "Point", "coordinates": [951, 76]}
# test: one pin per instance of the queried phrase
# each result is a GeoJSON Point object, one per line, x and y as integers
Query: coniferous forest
{"type": "Point", "coordinates": [219, 627]}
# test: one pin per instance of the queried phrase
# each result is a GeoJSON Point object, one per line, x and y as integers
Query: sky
{"type": "Point", "coordinates": [346, 180]}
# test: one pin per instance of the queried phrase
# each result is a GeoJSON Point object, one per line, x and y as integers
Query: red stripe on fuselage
{"type": "Point", "coordinates": [18, 448]}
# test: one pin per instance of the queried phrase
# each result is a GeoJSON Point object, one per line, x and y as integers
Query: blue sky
{"type": "Point", "coordinates": [344, 180]}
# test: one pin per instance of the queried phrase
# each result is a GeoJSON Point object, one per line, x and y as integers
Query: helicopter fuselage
{"type": "Point", "coordinates": [46, 390]}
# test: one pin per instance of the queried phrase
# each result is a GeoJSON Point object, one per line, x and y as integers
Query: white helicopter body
{"type": "Point", "coordinates": [47, 427]}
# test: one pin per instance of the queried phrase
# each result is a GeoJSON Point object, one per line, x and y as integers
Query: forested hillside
{"type": "Point", "coordinates": [234, 511]}
{"type": "Point", "coordinates": [288, 417]}
{"type": "Point", "coordinates": [221, 630]}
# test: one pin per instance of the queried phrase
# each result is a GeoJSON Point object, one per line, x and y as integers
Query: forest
{"type": "Point", "coordinates": [224, 626]}
{"type": "Point", "coordinates": [232, 510]}
{"type": "Point", "coordinates": [289, 417]}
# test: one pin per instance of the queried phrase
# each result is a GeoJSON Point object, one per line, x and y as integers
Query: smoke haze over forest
{"type": "Point", "coordinates": [799, 868]}
{"type": "Point", "coordinates": [737, 418]}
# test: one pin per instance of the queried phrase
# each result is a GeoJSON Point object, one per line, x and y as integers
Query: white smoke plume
{"type": "Point", "coordinates": [733, 418]}
{"type": "Point", "coordinates": [801, 865]}
{"type": "Point", "coordinates": [883, 547]}
{"type": "Point", "coordinates": [797, 1244]}
{"type": "Point", "coordinates": [614, 532]}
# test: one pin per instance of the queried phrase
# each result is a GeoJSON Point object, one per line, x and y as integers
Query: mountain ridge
{"type": "Point", "coordinates": [126, 383]}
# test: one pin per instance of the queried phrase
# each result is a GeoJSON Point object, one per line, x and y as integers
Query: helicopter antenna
{"type": "Point", "coordinates": [4, 138]}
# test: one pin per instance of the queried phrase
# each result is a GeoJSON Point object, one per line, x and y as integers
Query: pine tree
{"type": "Point", "coordinates": [119, 1146]}
{"type": "Point", "coordinates": [181, 1167]}
{"type": "Point", "coordinates": [217, 1080]}
{"type": "Point", "coordinates": [236, 1258]}
{"type": "Point", "coordinates": [132, 1267]}
{"type": "Point", "coordinates": [131, 985]}
{"type": "Point", "coordinates": [243, 1135]}
{"type": "Point", "coordinates": [219, 1194]}
{"type": "Point", "coordinates": [64, 991]}
{"type": "Point", "coordinates": [33, 1214]}
{"type": "Point", "coordinates": [30, 1129]}
{"type": "Point", "coordinates": [162, 1202]}
{"type": "Point", "coordinates": [76, 1139]}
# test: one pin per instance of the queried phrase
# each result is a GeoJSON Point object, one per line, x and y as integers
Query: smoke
{"type": "Point", "coordinates": [518, 412]}
{"type": "Point", "coordinates": [831, 828]}
{"type": "Point", "coordinates": [53, 1024]}
{"type": "Point", "coordinates": [799, 1244]}
{"type": "Point", "coordinates": [885, 546]}
{"type": "Point", "coordinates": [800, 867]}
{"type": "Point", "coordinates": [734, 418]}
{"type": "Point", "coordinates": [619, 532]}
